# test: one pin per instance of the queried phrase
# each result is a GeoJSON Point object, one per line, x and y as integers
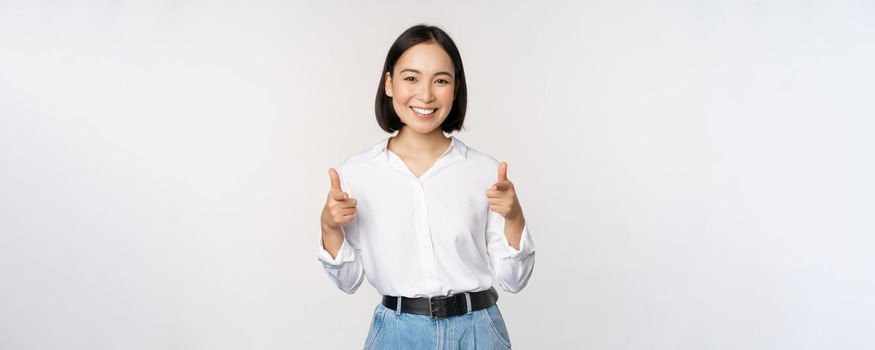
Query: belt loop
{"type": "Point", "coordinates": [468, 300]}
{"type": "Point", "coordinates": [398, 307]}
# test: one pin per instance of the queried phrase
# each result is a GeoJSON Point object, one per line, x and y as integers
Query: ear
{"type": "Point", "coordinates": [388, 86]}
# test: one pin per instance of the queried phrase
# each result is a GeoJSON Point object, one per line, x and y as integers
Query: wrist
{"type": "Point", "coordinates": [516, 218]}
{"type": "Point", "coordinates": [327, 230]}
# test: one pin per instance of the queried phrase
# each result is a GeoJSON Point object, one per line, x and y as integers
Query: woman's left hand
{"type": "Point", "coordinates": [502, 196]}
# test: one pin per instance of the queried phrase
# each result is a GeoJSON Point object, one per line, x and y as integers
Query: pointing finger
{"type": "Point", "coordinates": [338, 195]}
{"type": "Point", "coordinates": [502, 172]}
{"type": "Point", "coordinates": [502, 186]}
{"type": "Point", "coordinates": [349, 203]}
{"type": "Point", "coordinates": [335, 179]}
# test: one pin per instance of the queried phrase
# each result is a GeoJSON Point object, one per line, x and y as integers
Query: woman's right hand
{"type": "Point", "coordinates": [339, 208]}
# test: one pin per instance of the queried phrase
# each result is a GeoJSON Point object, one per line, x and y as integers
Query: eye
{"type": "Point", "coordinates": [441, 81]}
{"type": "Point", "coordinates": [410, 79]}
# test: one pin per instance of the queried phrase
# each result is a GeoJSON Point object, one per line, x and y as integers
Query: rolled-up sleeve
{"type": "Point", "coordinates": [345, 270]}
{"type": "Point", "coordinates": [512, 267]}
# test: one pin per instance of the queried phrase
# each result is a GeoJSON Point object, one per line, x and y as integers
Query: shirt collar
{"type": "Point", "coordinates": [455, 145]}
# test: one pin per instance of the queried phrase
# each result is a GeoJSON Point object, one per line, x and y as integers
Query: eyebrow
{"type": "Point", "coordinates": [418, 72]}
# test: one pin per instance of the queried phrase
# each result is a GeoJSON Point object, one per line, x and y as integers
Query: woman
{"type": "Point", "coordinates": [427, 219]}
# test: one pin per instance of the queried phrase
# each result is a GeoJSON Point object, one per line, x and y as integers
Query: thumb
{"type": "Point", "coordinates": [335, 179]}
{"type": "Point", "coordinates": [502, 172]}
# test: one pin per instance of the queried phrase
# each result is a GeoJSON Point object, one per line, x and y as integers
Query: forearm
{"type": "Point", "coordinates": [513, 230]}
{"type": "Point", "coordinates": [332, 240]}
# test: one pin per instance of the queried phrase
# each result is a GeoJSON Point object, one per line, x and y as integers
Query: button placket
{"type": "Point", "coordinates": [423, 234]}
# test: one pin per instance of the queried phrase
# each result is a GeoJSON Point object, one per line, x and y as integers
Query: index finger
{"type": "Point", "coordinates": [335, 179]}
{"type": "Point", "coordinates": [338, 195]}
{"type": "Point", "coordinates": [502, 172]}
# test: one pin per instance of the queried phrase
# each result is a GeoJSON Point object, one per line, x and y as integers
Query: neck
{"type": "Point", "coordinates": [410, 142]}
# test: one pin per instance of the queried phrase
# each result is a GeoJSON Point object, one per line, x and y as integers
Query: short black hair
{"type": "Point", "coordinates": [386, 116]}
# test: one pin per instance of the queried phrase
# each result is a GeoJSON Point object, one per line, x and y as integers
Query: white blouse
{"type": "Point", "coordinates": [428, 236]}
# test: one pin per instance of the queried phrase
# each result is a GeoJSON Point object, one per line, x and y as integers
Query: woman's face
{"type": "Point", "coordinates": [422, 87]}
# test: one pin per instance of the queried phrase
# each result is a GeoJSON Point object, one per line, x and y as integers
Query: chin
{"type": "Point", "coordinates": [424, 130]}
{"type": "Point", "coordinates": [420, 127]}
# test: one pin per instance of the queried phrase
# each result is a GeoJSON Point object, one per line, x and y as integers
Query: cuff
{"type": "Point", "coordinates": [344, 255]}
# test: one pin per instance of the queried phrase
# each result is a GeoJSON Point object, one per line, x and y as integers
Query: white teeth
{"type": "Point", "coordinates": [423, 111]}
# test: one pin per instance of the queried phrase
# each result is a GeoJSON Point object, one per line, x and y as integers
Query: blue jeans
{"type": "Point", "coordinates": [481, 329]}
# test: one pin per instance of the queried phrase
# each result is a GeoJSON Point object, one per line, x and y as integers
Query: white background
{"type": "Point", "coordinates": [696, 175]}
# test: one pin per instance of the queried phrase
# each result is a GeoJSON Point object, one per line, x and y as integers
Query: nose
{"type": "Point", "coordinates": [426, 94]}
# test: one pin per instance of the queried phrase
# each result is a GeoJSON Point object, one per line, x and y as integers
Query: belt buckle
{"type": "Point", "coordinates": [431, 309]}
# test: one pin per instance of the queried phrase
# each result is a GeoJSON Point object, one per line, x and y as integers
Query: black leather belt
{"type": "Point", "coordinates": [440, 307]}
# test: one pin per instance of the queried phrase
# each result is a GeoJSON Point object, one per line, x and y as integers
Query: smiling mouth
{"type": "Point", "coordinates": [423, 111]}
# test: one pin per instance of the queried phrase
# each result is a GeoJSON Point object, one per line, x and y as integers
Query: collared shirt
{"type": "Point", "coordinates": [427, 236]}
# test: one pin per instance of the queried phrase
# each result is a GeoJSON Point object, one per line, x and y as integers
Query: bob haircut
{"type": "Point", "coordinates": [386, 116]}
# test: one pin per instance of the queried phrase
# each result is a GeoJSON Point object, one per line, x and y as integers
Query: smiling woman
{"type": "Point", "coordinates": [428, 220]}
